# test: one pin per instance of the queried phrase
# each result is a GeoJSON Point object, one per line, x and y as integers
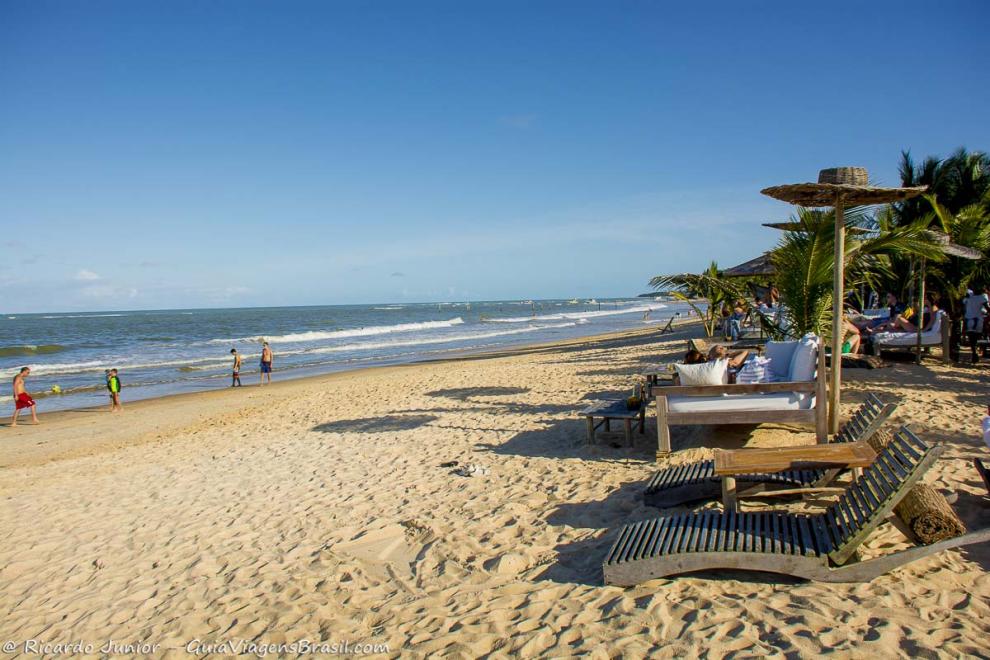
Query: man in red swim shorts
{"type": "Point", "coordinates": [22, 399]}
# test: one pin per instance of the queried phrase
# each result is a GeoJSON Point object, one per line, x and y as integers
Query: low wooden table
{"type": "Point", "coordinates": [609, 410]}
{"type": "Point", "coordinates": [657, 375]}
{"type": "Point", "coordinates": [730, 463]}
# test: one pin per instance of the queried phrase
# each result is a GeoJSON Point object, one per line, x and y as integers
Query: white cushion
{"type": "Point", "coordinates": [780, 354]}
{"type": "Point", "coordinates": [714, 372]}
{"type": "Point", "coordinates": [740, 402]}
{"type": "Point", "coordinates": [907, 338]}
{"type": "Point", "coordinates": [803, 360]}
{"type": "Point", "coordinates": [754, 370]}
{"type": "Point", "coordinates": [932, 337]}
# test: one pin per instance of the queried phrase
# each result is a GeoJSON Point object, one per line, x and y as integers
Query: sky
{"type": "Point", "coordinates": [236, 153]}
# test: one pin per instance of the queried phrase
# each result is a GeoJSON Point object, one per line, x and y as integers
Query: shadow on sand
{"type": "Point", "coordinates": [389, 423]}
{"type": "Point", "coordinates": [468, 393]}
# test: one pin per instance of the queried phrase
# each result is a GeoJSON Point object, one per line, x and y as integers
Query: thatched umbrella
{"type": "Point", "coordinates": [761, 265]}
{"type": "Point", "coordinates": [839, 187]}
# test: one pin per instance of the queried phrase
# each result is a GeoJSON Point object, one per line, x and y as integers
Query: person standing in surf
{"type": "Point", "coordinates": [266, 363]}
{"type": "Point", "coordinates": [22, 399]}
{"type": "Point", "coordinates": [236, 380]}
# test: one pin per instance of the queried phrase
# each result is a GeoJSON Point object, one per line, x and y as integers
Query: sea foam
{"type": "Point", "coordinates": [320, 335]}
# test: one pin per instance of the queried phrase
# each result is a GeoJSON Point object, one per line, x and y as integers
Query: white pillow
{"type": "Point", "coordinates": [780, 354]}
{"type": "Point", "coordinates": [804, 359]}
{"type": "Point", "coordinates": [714, 372]}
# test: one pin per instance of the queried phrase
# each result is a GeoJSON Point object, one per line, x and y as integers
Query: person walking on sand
{"type": "Point", "coordinates": [22, 399]}
{"type": "Point", "coordinates": [236, 380]}
{"type": "Point", "coordinates": [113, 384]}
{"type": "Point", "coordinates": [975, 305]}
{"type": "Point", "coordinates": [266, 363]}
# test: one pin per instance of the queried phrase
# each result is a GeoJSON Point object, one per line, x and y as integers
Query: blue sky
{"type": "Point", "coordinates": [238, 153]}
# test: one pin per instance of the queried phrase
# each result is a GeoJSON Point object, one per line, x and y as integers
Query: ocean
{"type": "Point", "coordinates": [170, 351]}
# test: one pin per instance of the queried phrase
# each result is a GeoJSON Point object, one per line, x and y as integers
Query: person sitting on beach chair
{"type": "Point", "coordinates": [909, 322]}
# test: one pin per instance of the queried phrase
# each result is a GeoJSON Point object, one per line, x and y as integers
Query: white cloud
{"type": "Point", "coordinates": [86, 276]}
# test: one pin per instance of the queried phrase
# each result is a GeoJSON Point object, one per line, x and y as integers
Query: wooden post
{"type": "Point", "coordinates": [821, 396]}
{"type": "Point", "coordinates": [921, 307]}
{"type": "Point", "coordinates": [946, 338]}
{"type": "Point", "coordinates": [838, 282]}
{"type": "Point", "coordinates": [663, 431]}
{"type": "Point", "coordinates": [729, 498]}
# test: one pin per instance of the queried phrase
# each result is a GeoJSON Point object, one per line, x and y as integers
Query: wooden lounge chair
{"type": "Point", "coordinates": [677, 485]}
{"type": "Point", "coordinates": [938, 335]}
{"type": "Point", "coordinates": [805, 546]}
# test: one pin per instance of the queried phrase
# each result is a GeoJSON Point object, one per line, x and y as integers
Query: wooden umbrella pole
{"type": "Point", "coordinates": [921, 307]}
{"type": "Point", "coordinates": [835, 385]}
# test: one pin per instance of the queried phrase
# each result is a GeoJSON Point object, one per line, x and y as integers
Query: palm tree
{"type": "Point", "coordinates": [709, 286]}
{"type": "Point", "coordinates": [805, 262]}
{"type": "Point", "coordinates": [958, 181]}
{"type": "Point", "coordinates": [970, 227]}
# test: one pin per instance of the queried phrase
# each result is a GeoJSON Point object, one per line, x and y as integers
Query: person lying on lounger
{"type": "Point", "coordinates": [910, 324]}
{"type": "Point", "coordinates": [850, 339]}
{"type": "Point", "coordinates": [735, 358]}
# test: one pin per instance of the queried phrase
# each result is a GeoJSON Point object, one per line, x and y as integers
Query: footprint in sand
{"type": "Point", "coordinates": [394, 545]}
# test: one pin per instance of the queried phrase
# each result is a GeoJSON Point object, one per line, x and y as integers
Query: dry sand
{"type": "Point", "coordinates": [317, 509]}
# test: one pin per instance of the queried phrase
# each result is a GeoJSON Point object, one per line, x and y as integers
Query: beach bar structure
{"type": "Point", "coordinates": [839, 187]}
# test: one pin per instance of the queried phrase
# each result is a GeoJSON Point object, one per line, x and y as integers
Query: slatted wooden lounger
{"type": "Point", "coordinates": [793, 544]}
{"type": "Point", "coordinates": [691, 482]}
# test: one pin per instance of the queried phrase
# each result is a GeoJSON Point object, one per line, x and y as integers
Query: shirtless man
{"type": "Point", "coordinates": [236, 381]}
{"type": "Point", "coordinates": [735, 358]}
{"type": "Point", "coordinates": [266, 363]}
{"type": "Point", "coordinates": [21, 398]}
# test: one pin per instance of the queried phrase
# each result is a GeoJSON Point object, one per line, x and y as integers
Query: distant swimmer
{"type": "Point", "coordinates": [22, 399]}
{"type": "Point", "coordinates": [266, 363]}
{"type": "Point", "coordinates": [236, 381]}
{"type": "Point", "coordinates": [113, 385]}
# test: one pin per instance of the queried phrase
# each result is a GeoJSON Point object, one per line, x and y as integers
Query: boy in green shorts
{"type": "Point", "coordinates": [113, 384]}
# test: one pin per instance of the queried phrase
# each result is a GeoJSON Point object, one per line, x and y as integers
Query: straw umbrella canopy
{"type": "Point", "coordinates": [761, 265]}
{"type": "Point", "coordinates": [839, 187]}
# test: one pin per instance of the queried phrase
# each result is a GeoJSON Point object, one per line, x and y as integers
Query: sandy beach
{"type": "Point", "coordinates": [318, 510]}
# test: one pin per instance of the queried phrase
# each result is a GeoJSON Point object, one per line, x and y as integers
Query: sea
{"type": "Point", "coordinates": [171, 351]}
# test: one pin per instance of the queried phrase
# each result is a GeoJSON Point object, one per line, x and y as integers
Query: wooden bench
{"type": "Point", "coordinates": [730, 463]}
{"type": "Point", "coordinates": [609, 410]}
{"type": "Point", "coordinates": [816, 415]}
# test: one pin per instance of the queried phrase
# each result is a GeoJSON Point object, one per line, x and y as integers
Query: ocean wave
{"type": "Point", "coordinates": [578, 316]}
{"type": "Point", "coordinates": [370, 346]}
{"type": "Point", "coordinates": [318, 335]}
{"type": "Point", "coordinates": [92, 366]}
{"type": "Point", "coordinates": [390, 308]}
{"type": "Point", "coordinates": [30, 349]}
{"type": "Point", "coordinates": [82, 316]}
